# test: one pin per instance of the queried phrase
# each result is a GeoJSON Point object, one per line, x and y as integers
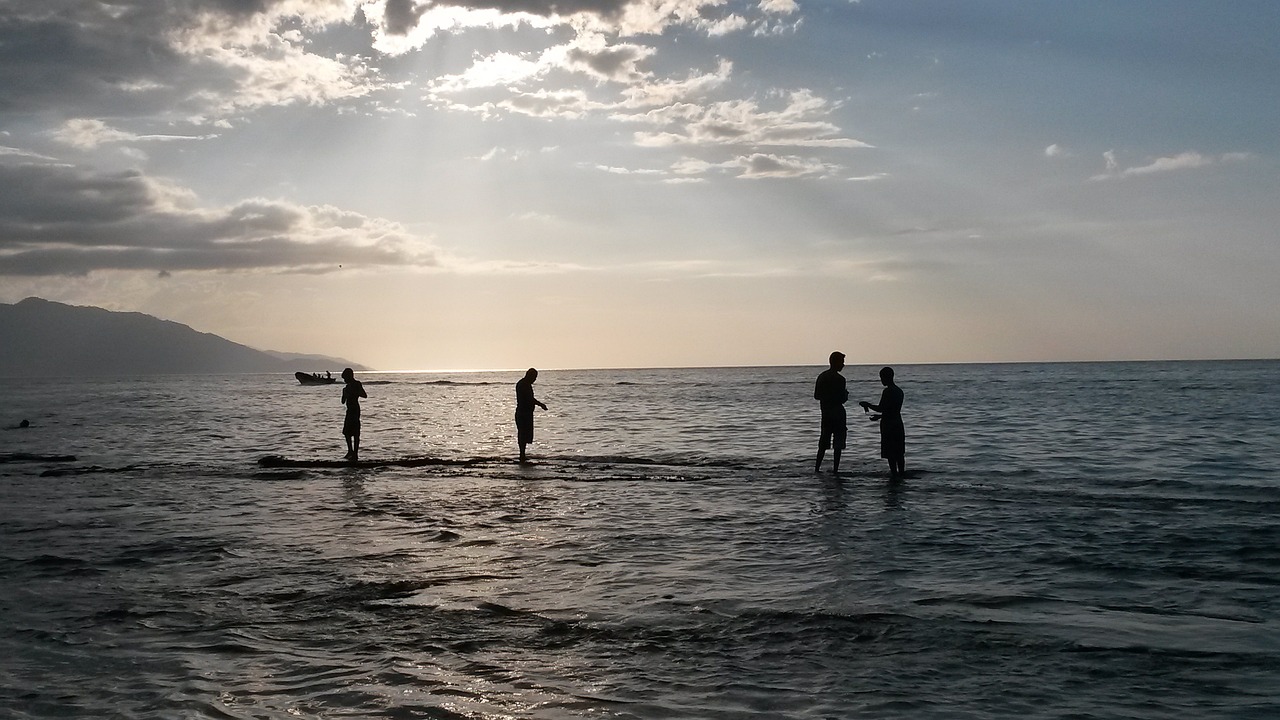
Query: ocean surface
{"type": "Point", "coordinates": [1072, 541]}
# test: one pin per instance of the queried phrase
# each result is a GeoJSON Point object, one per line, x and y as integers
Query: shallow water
{"type": "Point", "coordinates": [1074, 540]}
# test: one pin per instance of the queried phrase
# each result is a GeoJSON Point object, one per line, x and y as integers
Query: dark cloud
{"type": "Point", "coordinates": [73, 58]}
{"type": "Point", "coordinates": [547, 8]}
{"type": "Point", "coordinates": [614, 63]}
{"type": "Point", "coordinates": [60, 220]}
{"type": "Point", "coordinates": [77, 60]}
{"type": "Point", "coordinates": [402, 16]}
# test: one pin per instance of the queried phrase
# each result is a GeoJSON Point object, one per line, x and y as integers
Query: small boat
{"type": "Point", "coordinates": [315, 378]}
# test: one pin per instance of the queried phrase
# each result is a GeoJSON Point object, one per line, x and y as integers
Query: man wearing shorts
{"type": "Point", "coordinates": [351, 394]}
{"type": "Point", "coordinates": [831, 395]}
{"type": "Point", "coordinates": [525, 402]}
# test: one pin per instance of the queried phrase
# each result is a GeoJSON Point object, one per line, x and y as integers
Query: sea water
{"type": "Point", "coordinates": [1072, 541]}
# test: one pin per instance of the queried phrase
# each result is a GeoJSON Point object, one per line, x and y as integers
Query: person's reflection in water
{"type": "Point", "coordinates": [831, 395]}
{"type": "Point", "coordinates": [525, 402]}
{"type": "Point", "coordinates": [893, 438]}
{"type": "Point", "coordinates": [351, 394]}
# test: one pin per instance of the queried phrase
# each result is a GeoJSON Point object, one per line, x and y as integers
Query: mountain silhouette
{"type": "Point", "coordinates": [43, 338]}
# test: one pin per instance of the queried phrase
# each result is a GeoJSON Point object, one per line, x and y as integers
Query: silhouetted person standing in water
{"type": "Point", "coordinates": [351, 394]}
{"type": "Point", "coordinates": [893, 438]}
{"type": "Point", "coordinates": [525, 401]}
{"type": "Point", "coordinates": [831, 395]}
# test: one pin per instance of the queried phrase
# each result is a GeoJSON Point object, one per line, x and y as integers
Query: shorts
{"type": "Point", "coordinates": [524, 428]}
{"type": "Point", "coordinates": [351, 425]}
{"type": "Point", "coordinates": [893, 440]}
{"type": "Point", "coordinates": [834, 432]}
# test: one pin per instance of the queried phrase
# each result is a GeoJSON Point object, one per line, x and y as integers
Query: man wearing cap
{"type": "Point", "coordinates": [831, 395]}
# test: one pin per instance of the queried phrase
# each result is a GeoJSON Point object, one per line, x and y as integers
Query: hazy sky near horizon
{"type": "Point", "coordinates": [432, 184]}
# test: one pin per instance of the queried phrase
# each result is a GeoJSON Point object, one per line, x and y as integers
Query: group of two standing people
{"type": "Point", "coordinates": [831, 395]}
{"type": "Point", "coordinates": [353, 390]}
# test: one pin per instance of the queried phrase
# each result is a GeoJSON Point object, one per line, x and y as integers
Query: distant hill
{"type": "Point", "coordinates": [303, 361]}
{"type": "Point", "coordinates": [43, 338]}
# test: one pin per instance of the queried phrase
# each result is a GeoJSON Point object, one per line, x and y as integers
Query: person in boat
{"type": "Point", "coordinates": [327, 375]}
{"type": "Point", "coordinates": [830, 392]}
{"type": "Point", "coordinates": [351, 394]}
{"type": "Point", "coordinates": [893, 437]}
{"type": "Point", "coordinates": [525, 402]}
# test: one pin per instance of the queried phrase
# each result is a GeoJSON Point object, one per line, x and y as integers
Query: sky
{"type": "Point", "coordinates": [484, 184]}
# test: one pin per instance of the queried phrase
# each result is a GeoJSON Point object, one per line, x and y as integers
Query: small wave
{"type": "Point", "coordinates": [55, 561]}
{"type": "Point", "coordinates": [279, 461]}
{"type": "Point", "coordinates": [31, 457]}
{"type": "Point", "coordinates": [89, 470]}
{"type": "Point", "coordinates": [285, 475]}
{"type": "Point", "coordinates": [459, 383]}
{"type": "Point", "coordinates": [985, 601]}
{"type": "Point", "coordinates": [675, 461]}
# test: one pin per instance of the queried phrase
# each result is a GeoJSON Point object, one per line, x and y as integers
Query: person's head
{"type": "Point", "coordinates": [837, 361]}
{"type": "Point", "coordinates": [531, 375]}
{"type": "Point", "coordinates": [886, 375]}
{"type": "Point", "coordinates": [348, 374]}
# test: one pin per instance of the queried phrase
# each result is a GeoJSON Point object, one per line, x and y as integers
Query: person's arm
{"type": "Point", "coordinates": [884, 400]}
{"type": "Point", "coordinates": [363, 394]}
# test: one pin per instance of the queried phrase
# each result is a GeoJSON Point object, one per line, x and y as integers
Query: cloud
{"type": "Point", "coordinates": [614, 170]}
{"type": "Point", "coordinates": [756, 166]}
{"type": "Point", "coordinates": [401, 16]}
{"type": "Point", "coordinates": [60, 220]}
{"type": "Point", "coordinates": [761, 165]}
{"type": "Point", "coordinates": [660, 93]}
{"type": "Point", "coordinates": [779, 7]}
{"type": "Point", "coordinates": [208, 58]}
{"type": "Point", "coordinates": [547, 103]}
{"type": "Point", "coordinates": [800, 123]}
{"type": "Point", "coordinates": [1054, 150]}
{"type": "Point", "coordinates": [87, 134]}
{"type": "Point", "coordinates": [1182, 161]}
{"type": "Point", "coordinates": [617, 63]}
{"type": "Point", "coordinates": [12, 152]}
{"type": "Point", "coordinates": [210, 61]}
{"type": "Point", "coordinates": [500, 69]}
{"type": "Point", "coordinates": [215, 59]}
{"type": "Point", "coordinates": [723, 26]}
{"type": "Point", "coordinates": [403, 25]}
